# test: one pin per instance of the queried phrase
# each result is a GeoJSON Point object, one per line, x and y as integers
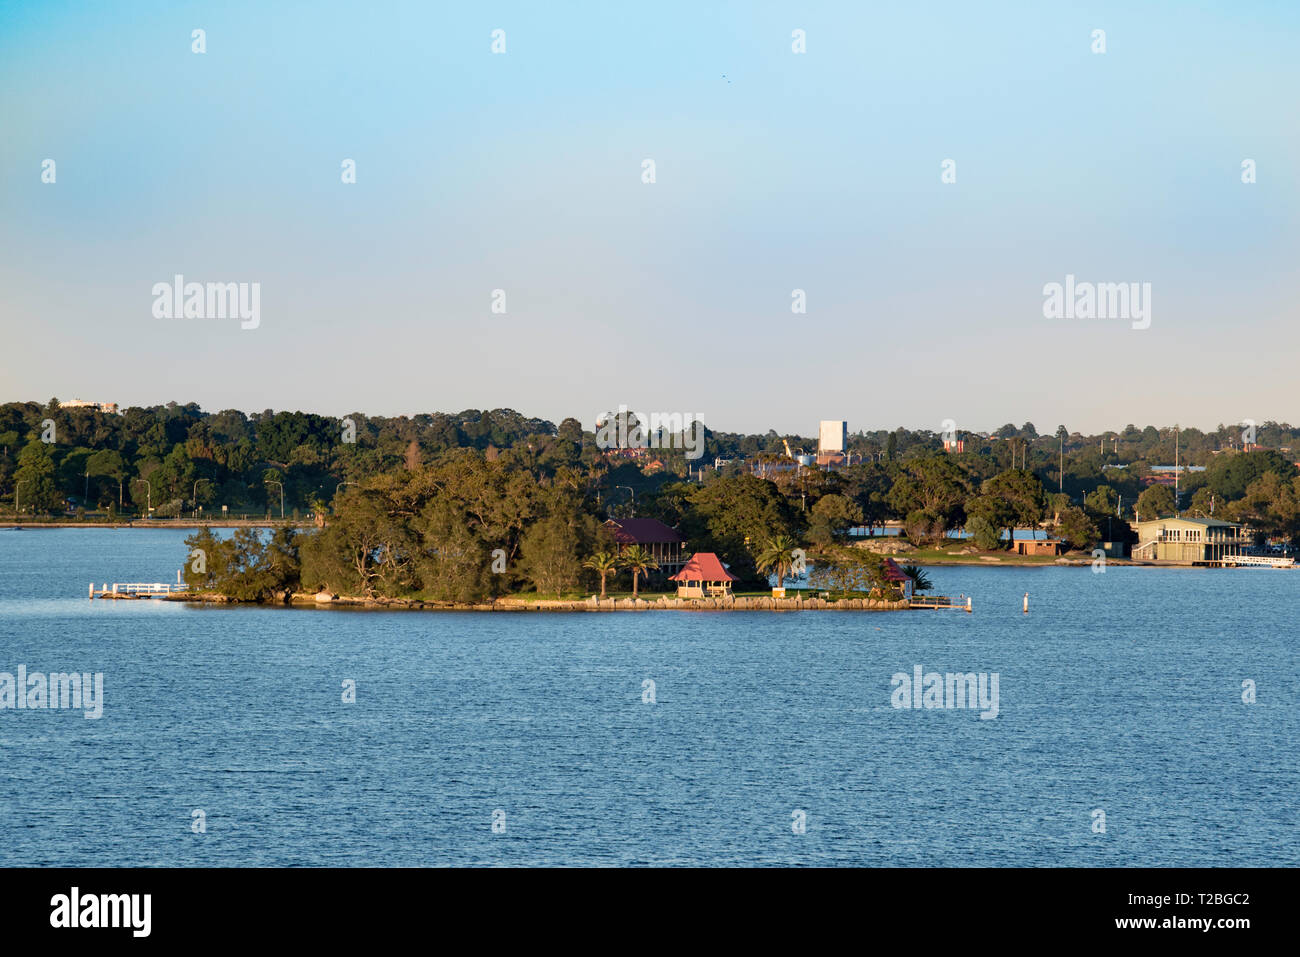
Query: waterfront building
{"type": "Point", "coordinates": [663, 543]}
{"type": "Point", "coordinates": [1180, 539]}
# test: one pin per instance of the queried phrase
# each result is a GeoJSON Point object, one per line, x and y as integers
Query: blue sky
{"type": "Point", "coordinates": [522, 171]}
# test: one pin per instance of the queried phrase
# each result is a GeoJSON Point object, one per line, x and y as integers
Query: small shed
{"type": "Point", "coordinates": [1039, 546]}
{"type": "Point", "coordinates": [703, 577]}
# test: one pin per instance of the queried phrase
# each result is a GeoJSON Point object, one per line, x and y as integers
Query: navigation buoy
{"type": "Point", "coordinates": [1026, 603]}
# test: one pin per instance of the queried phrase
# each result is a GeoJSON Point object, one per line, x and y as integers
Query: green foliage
{"type": "Point", "coordinates": [832, 516]}
{"type": "Point", "coordinates": [984, 533]}
{"type": "Point", "coordinates": [849, 571]}
{"type": "Point", "coordinates": [639, 562]}
{"type": "Point", "coordinates": [1077, 529]}
{"type": "Point", "coordinates": [34, 479]}
{"type": "Point", "coordinates": [776, 557]}
{"type": "Point", "coordinates": [920, 580]}
{"type": "Point", "coordinates": [1156, 501]}
{"type": "Point", "coordinates": [551, 555]}
{"type": "Point", "coordinates": [603, 564]}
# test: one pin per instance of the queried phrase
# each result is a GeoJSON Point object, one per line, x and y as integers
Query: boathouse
{"type": "Point", "coordinates": [703, 577]}
{"type": "Point", "coordinates": [1188, 540]}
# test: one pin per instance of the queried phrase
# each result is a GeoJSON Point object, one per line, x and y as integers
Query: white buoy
{"type": "Point", "coordinates": [1026, 603]}
{"type": "Point", "coordinates": [92, 589]}
{"type": "Point", "coordinates": [968, 607]}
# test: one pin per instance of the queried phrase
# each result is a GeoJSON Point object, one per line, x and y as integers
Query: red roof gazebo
{"type": "Point", "coordinates": [703, 577]}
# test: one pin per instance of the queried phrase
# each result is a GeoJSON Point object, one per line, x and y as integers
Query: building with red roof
{"type": "Point", "coordinates": [703, 577]}
{"type": "Point", "coordinates": [662, 542]}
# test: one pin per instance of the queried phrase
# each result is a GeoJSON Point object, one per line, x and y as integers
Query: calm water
{"type": "Point", "coordinates": [1119, 691]}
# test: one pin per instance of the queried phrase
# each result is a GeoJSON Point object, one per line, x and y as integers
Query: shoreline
{"type": "Point", "coordinates": [161, 523]}
{"type": "Point", "coordinates": [662, 603]}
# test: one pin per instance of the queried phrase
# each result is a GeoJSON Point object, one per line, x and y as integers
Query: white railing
{"type": "Point", "coordinates": [1266, 561]}
{"type": "Point", "coordinates": [137, 589]}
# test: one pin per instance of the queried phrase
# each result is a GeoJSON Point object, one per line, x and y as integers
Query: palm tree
{"type": "Point", "coordinates": [777, 557]}
{"type": "Point", "coordinates": [603, 564]}
{"type": "Point", "coordinates": [920, 581]}
{"type": "Point", "coordinates": [639, 562]}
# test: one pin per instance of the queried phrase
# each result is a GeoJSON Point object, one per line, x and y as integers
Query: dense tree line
{"type": "Point", "coordinates": [489, 502]}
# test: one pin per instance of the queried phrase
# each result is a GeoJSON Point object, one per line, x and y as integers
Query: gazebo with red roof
{"type": "Point", "coordinates": [896, 576]}
{"type": "Point", "coordinates": [703, 577]}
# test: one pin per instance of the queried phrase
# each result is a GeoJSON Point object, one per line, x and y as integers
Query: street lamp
{"type": "Point", "coordinates": [632, 499]}
{"type": "Point", "coordinates": [148, 495]}
{"type": "Point", "coordinates": [195, 497]}
{"type": "Point", "coordinates": [16, 485]}
{"type": "Point", "coordinates": [281, 484]}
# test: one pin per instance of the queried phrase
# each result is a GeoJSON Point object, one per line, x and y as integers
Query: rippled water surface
{"type": "Point", "coordinates": [1119, 691]}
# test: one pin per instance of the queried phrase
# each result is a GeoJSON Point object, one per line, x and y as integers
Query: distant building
{"type": "Point", "coordinates": [663, 543]}
{"type": "Point", "coordinates": [1187, 540]}
{"type": "Point", "coordinates": [1038, 546]}
{"type": "Point", "coordinates": [109, 407]}
{"type": "Point", "coordinates": [832, 436]}
{"type": "Point", "coordinates": [703, 577]}
{"type": "Point", "coordinates": [1169, 474]}
{"type": "Point", "coordinates": [954, 445]}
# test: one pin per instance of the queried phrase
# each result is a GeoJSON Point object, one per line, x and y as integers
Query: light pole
{"type": "Point", "coordinates": [148, 496]}
{"type": "Point", "coordinates": [632, 498]}
{"type": "Point", "coordinates": [195, 497]}
{"type": "Point", "coordinates": [281, 484]}
{"type": "Point", "coordinates": [16, 485]}
{"type": "Point", "coordinates": [1175, 469]}
{"type": "Point", "coordinates": [1061, 475]}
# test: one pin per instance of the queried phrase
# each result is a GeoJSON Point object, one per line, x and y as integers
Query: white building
{"type": "Point", "coordinates": [833, 436]}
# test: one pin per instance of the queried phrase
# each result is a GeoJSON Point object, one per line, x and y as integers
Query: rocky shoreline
{"type": "Point", "coordinates": [661, 603]}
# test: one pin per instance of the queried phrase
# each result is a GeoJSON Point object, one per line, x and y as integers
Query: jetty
{"type": "Point", "coordinates": [137, 589]}
{"type": "Point", "coordinates": [1257, 561]}
{"type": "Point", "coordinates": [961, 603]}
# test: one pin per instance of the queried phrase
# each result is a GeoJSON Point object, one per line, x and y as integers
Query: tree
{"type": "Point", "coordinates": [1155, 501]}
{"type": "Point", "coordinates": [832, 516]}
{"type": "Point", "coordinates": [984, 533]}
{"type": "Point", "coordinates": [107, 463]}
{"type": "Point", "coordinates": [990, 512]}
{"type": "Point", "coordinates": [34, 479]}
{"type": "Point", "coordinates": [639, 562]}
{"type": "Point", "coordinates": [550, 555]}
{"type": "Point", "coordinates": [603, 564]}
{"type": "Point", "coordinates": [920, 580]}
{"type": "Point", "coordinates": [777, 557]}
{"type": "Point", "coordinates": [1023, 494]}
{"type": "Point", "coordinates": [1077, 530]}
{"type": "Point", "coordinates": [853, 571]}
{"type": "Point", "coordinates": [923, 528]}
{"type": "Point", "coordinates": [1101, 501]}
{"type": "Point", "coordinates": [453, 563]}
{"type": "Point", "coordinates": [935, 485]}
